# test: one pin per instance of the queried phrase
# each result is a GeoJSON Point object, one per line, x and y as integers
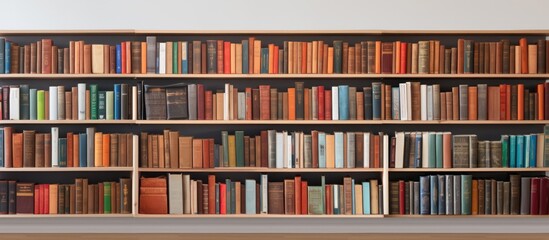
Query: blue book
{"type": "Point", "coordinates": [184, 61]}
{"type": "Point", "coordinates": [466, 187]}
{"type": "Point", "coordinates": [353, 196]}
{"type": "Point", "coordinates": [321, 150]}
{"type": "Point", "coordinates": [395, 109]}
{"type": "Point", "coordinates": [520, 151]}
{"type": "Point", "coordinates": [250, 196]}
{"type": "Point", "coordinates": [32, 104]}
{"type": "Point", "coordinates": [1, 147]}
{"type": "Point", "coordinates": [433, 194]}
{"type": "Point", "coordinates": [424, 189]}
{"type": "Point", "coordinates": [118, 59]}
{"type": "Point", "coordinates": [343, 102]}
{"type": "Point", "coordinates": [513, 151]}
{"type": "Point", "coordinates": [533, 150]}
{"type": "Point", "coordinates": [441, 195]}
{"type": "Point", "coordinates": [245, 56]}
{"type": "Point", "coordinates": [417, 152]}
{"type": "Point", "coordinates": [366, 197]}
{"type": "Point", "coordinates": [217, 198]}
{"type": "Point", "coordinates": [2, 53]}
{"type": "Point", "coordinates": [438, 151]}
{"type": "Point", "coordinates": [264, 60]}
{"type": "Point", "coordinates": [82, 149]}
{"type": "Point", "coordinates": [431, 143]}
{"type": "Point", "coordinates": [338, 139]}
{"type": "Point", "coordinates": [117, 90]}
{"type": "Point", "coordinates": [376, 101]}
{"type": "Point", "coordinates": [527, 144]}
{"type": "Point", "coordinates": [7, 58]}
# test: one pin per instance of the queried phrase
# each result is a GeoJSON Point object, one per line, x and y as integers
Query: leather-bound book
{"type": "Point", "coordinates": [264, 99]}
{"type": "Point", "coordinates": [371, 56]}
{"type": "Point", "coordinates": [46, 56]}
{"type": "Point", "coordinates": [185, 152]}
{"type": "Point", "coordinates": [39, 150]}
{"type": "Point", "coordinates": [136, 56]}
{"type": "Point", "coordinates": [28, 148]}
{"type": "Point", "coordinates": [276, 198]}
{"type": "Point", "coordinates": [176, 102]}
{"type": "Point", "coordinates": [17, 150]}
{"type": "Point", "coordinates": [387, 58]}
{"type": "Point", "coordinates": [532, 58]}
{"type": "Point", "coordinates": [155, 103]}
{"type": "Point", "coordinates": [515, 194]}
{"type": "Point", "coordinates": [153, 197]}
{"type": "Point", "coordinates": [24, 198]}
{"type": "Point", "coordinates": [460, 55]}
{"type": "Point", "coordinates": [423, 57]}
{"type": "Point", "coordinates": [87, 59]}
{"type": "Point", "coordinates": [523, 44]}
{"type": "Point", "coordinates": [505, 52]}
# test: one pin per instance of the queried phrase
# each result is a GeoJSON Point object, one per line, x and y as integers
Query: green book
{"type": "Point", "coordinates": [40, 105]}
{"type": "Point", "coordinates": [316, 203]}
{"type": "Point", "coordinates": [101, 105]}
{"type": "Point", "coordinates": [504, 150]}
{"type": "Point", "coordinates": [228, 196]}
{"type": "Point", "coordinates": [225, 143]}
{"type": "Point", "coordinates": [466, 181]}
{"type": "Point", "coordinates": [106, 197]}
{"type": "Point", "coordinates": [24, 102]}
{"type": "Point", "coordinates": [175, 57]}
{"type": "Point", "coordinates": [93, 101]}
{"type": "Point", "coordinates": [338, 56]}
{"type": "Point", "coordinates": [438, 143]}
{"type": "Point", "coordinates": [32, 103]}
{"type": "Point", "coordinates": [432, 162]}
{"type": "Point", "coordinates": [239, 135]}
{"type": "Point", "coordinates": [109, 105]}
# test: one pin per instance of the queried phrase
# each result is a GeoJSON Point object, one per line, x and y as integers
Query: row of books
{"type": "Point", "coordinates": [19, 102]}
{"type": "Point", "coordinates": [462, 195]}
{"type": "Point", "coordinates": [318, 149]}
{"type": "Point", "coordinates": [253, 56]}
{"type": "Point", "coordinates": [405, 101]}
{"type": "Point", "coordinates": [442, 150]}
{"type": "Point", "coordinates": [179, 194]}
{"type": "Point", "coordinates": [90, 149]}
{"type": "Point", "coordinates": [81, 197]}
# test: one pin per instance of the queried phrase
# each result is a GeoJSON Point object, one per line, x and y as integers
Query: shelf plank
{"type": "Point", "coordinates": [430, 170]}
{"type": "Point", "coordinates": [71, 122]}
{"type": "Point", "coordinates": [465, 216]}
{"type": "Point", "coordinates": [275, 122]}
{"type": "Point", "coordinates": [261, 170]}
{"type": "Point", "coordinates": [69, 169]}
{"type": "Point", "coordinates": [66, 216]}
{"type": "Point", "coordinates": [253, 216]}
{"type": "Point", "coordinates": [270, 76]}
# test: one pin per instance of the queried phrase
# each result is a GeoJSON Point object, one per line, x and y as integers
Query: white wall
{"type": "Point", "coordinates": [275, 14]}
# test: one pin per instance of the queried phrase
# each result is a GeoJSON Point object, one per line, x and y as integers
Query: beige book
{"type": "Point", "coordinates": [98, 58]}
{"type": "Point", "coordinates": [358, 199]}
{"type": "Point", "coordinates": [238, 58]}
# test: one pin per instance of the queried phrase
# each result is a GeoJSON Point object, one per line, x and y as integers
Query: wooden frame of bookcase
{"type": "Point", "coordinates": [136, 170]}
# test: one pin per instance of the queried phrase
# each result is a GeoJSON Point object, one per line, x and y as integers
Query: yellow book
{"type": "Point", "coordinates": [98, 149]}
{"type": "Point", "coordinates": [233, 58]}
{"type": "Point", "coordinates": [374, 197]}
{"type": "Point", "coordinates": [358, 199]}
{"type": "Point", "coordinates": [53, 198]}
{"type": "Point", "coordinates": [238, 58]}
{"type": "Point", "coordinates": [232, 151]}
{"type": "Point", "coordinates": [257, 57]}
{"type": "Point", "coordinates": [330, 151]}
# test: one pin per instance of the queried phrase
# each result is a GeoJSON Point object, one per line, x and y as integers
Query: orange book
{"type": "Point", "coordinates": [508, 101]}
{"type": "Point", "coordinates": [307, 103]}
{"type": "Point", "coordinates": [257, 57]}
{"type": "Point", "coordinates": [106, 150]}
{"type": "Point", "coordinates": [197, 153]}
{"type": "Point", "coordinates": [472, 102]}
{"type": "Point", "coordinates": [541, 102]}
{"type": "Point", "coordinates": [76, 58]}
{"type": "Point", "coordinates": [474, 197]}
{"type": "Point", "coordinates": [205, 153]}
{"type": "Point", "coordinates": [275, 60]}
{"type": "Point", "coordinates": [520, 102]}
{"type": "Point", "coordinates": [523, 55]}
{"type": "Point", "coordinates": [98, 149]}
{"type": "Point", "coordinates": [161, 149]}
{"type": "Point", "coordinates": [397, 56]}
{"type": "Point", "coordinates": [70, 149]}
{"type": "Point", "coordinates": [76, 150]}
{"type": "Point", "coordinates": [128, 57]}
{"type": "Point", "coordinates": [297, 194]}
{"type": "Point", "coordinates": [376, 152]}
{"type": "Point", "coordinates": [303, 57]}
{"type": "Point", "coordinates": [143, 57]}
{"type": "Point", "coordinates": [330, 61]}
{"type": "Point", "coordinates": [403, 52]}
{"type": "Point", "coordinates": [378, 57]}
{"type": "Point", "coordinates": [291, 103]}
{"type": "Point", "coordinates": [271, 58]}
{"type": "Point", "coordinates": [304, 198]}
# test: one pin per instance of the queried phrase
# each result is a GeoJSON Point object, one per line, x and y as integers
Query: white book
{"type": "Point", "coordinates": [184, 46]}
{"type": "Point", "coordinates": [385, 150]}
{"type": "Point", "coordinates": [301, 150]}
{"type": "Point", "coordinates": [335, 103]}
{"type": "Point", "coordinates": [54, 147]}
{"type": "Point", "coordinates": [409, 100]}
{"type": "Point", "coordinates": [279, 150]}
{"type": "Point", "coordinates": [288, 151]}
{"type": "Point", "coordinates": [403, 98]}
{"type": "Point", "coordinates": [53, 103]}
{"type": "Point", "coordinates": [366, 150]}
{"type": "Point", "coordinates": [285, 159]}
{"type": "Point", "coordinates": [186, 194]}
{"type": "Point", "coordinates": [109, 105]}
{"type": "Point", "coordinates": [241, 106]}
{"type": "Point", "coordinates": [135, 149]}
{"type": "Point", "coordinates": [425, 150]}
{"type": "Point", "coordinates": [226, 102]}
{"type": "Point", "coordinates": [264, 197]}
{"type": "Point", "coordinates": [82, 102]}
{"type": "Point", "coordinates": [194, 198]}
{"type": "Point", "coordinates": [423, 98]}
{"type": "Point", "coordinates": [134, 103]}
{"type": "Point", "coordinates": [430, 102]}
{"type": "Point", "coordinates": [175, 195]}
{"type": "Point", "coordinates": [162, 58]}
{"type": "Point", "coordinates": [335, 191]}
{"type": "Point", "coordinates": [399, 149]}
{"type": "Point", "coordinates": [14, 103]}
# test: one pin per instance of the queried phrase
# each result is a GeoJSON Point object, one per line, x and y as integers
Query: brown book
{"type": "Point", "coordinates": [17, 150]}
{"type": "Point", "coordinates": [26, 59]}
{"type": "Point", "coordinates": [273, 102]}
{"type": "Point", "coordinates": [87, 59]}
{"type": "Point", "coordinates": [472, 102]}
{"type": "Point", "coordinates": [449, 106]}
{"type": "Point", "coordinates": [205, 153]}
{"type": "Point", "coordinates": [387, 58]}
{"type": "Point", "coordinates": [46, 56]}
{"type": "Point", "coordinates": [371, 58]}
{"type": "Point", "coordinates": [460, 55]}
{"type": "Point", "coordinates": [523, 55]}
{"type": "Point", "coordinates": [24, 202]}
{"type": "Point", "coordinates": [264, 101]}
{"type": "Point", "coordinates": [455, 103]}
{"type": "Point", "coordinates": [47, 149]}
{"type": "Point", "coordinates": [33, 57]}
{"type": "Point", "coordinates": [68, 105]}
{"type": "Point", "coordinates": [8, 150]}
{"type": "Point", "coordinates": [276, 197]}
{"type": "Point", "coordinates": [416, 101]}
{"type": "Point", "coordinates": [28, 148]}
{"type": "Point", "coordinates": [532, 59]}
{"type": "Point", "coordinates": [112, 59]}
{"type": "Point", "coordinates": [153, 197]}
{"type": "Point", "coordinates": [443, 105]}
{"type": "Point", "coordinates": [106, 58]}
{"type": "Point", "coordinates": [493, 103]}
{"type": "Point", "coordinates": [499, 56]}
{"type": "Point", "coordinates": [387, 103]}
{"type": "Point", "coordinates": [492, 61]}
{"type": "Point", "coordinates": [39, 150]}
{"type": "Point", "coordinates": [264, 143]}
{"type": "Point", "coordinates": [173, 141]}
{"type": "Point", "coordinates": [185, 152]}
{"type": "Point", "coordinates": [14, 68]}
{"type": "Point", "coordinates": [136, 56]}
{"type": "Point", "coordinates": [423, 57]}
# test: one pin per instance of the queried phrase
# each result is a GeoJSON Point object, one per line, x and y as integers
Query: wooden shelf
{"type": "Point", "coordinates": [66, 216]}
{"type": "Point", "coordinates": [71, 122]}
{"type": "Point", "coordinates": [253, 216]}
{"type": "Point", "coordinates": [274, 122]}
{"type": "Point", "coordinates": [431, 170]}
{"type": "Point", "coordinates": [263, 170]}
{"type": "Point", "coordinates": [69, 169]}
{"type": "Point", "coordinates": [268, 76]}
{"type": "Point", "coordinates": [466, 216]}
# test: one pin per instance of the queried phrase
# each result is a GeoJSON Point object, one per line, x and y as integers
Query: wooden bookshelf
{"type": "Point", "coordinates": [430, 170]}
{"type": "Point", "coordinates": [273, 122]}
{"type": "Point", "coordinates": [69, 169]}
{"type": "Point", "coordinates": [68, 122]}
{"type": "Point", "coordinates": [108, 215]}
{"type": "Point", "coordinates": [256, 216]}
{"type": "Point", "coordinates": [465, 216]}
{"type": "Point", "coordinates": [265, 170]}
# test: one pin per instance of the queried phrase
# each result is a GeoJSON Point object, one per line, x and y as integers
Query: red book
{"type": "Point", "coordinates": [329, 206]}
{"type": "Point", "coordinates": [546, 87]}
{"type": "Point", "coordinates": [46, 199]}
{"type": "Point", "coordinates": [541, 101]}
{"type": "Point", "coordinates": [264, 102]}
{"type": "Point", "coordinates": [211, 194]}
{"type": "Point", "coordinates": [297, 189]}
{"type": "Point", "coordinates": [275, 60]}
{"type": "Point", "coordinates": [220, 53]}
{"type": "Point", "coordinates": [37, 199]}
{"type": "Point", "coordinates": [264, 150]}
{"type": "Point", "coordinates": [401, 197]}
{"type": "Point", "coordinates": [304, 198]}
{"type": "Point", "coordinates": [534, 196]}
{"type": "Point", "coordinates": [248, 103]}
{"type": "Point", "coordinates": [327, 105]}
{"type": "Point", "coordinates": [403, 52]}
{"type": "Point", "coordinates": [227, 57]}
{"type": "Point", "coordinates": [502, 102]}
{"type": "Point", "coordinates": [320, 102]}
{"type": "Point", "coordinates": [222, 198]}
{"type": "Point", "coordinates": [123, 58]}
{"type": "Point", "coordinates": [508, 102]}
{"type": "Point", "coordinates": [69, 149]}
{"type": "Point", "coordinates": [200, 101]}
{"type": "Point", "coordinates": [544, 196]}
{"type": "Point", "coordinates": [209, 105]}
{"type": "Point", "coordinates": [205, 153]}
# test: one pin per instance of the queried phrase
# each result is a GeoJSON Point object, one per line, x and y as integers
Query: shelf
{"type": "Point", "coordinates": [68, 122]}
{"type": "Point", "coordinates": [69, 169]}
{"type": "Point", "coordinates": [275, 122]}
{"type": "Point", "coordinates": [253, 216]}
{"type": "Point", "coordinates": [263, 170]}
{"type": "Point", "coordinates": [66, 216]}
{"type": "Point", "coordinates": [269, 76]}
{"type": "Point", "coordinates": [431, 170]}
{"type": "Point", "coordinates": [466, 216]}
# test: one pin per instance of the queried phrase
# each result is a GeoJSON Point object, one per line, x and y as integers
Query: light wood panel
{"type": "Point", "coordinates": [257, 169]}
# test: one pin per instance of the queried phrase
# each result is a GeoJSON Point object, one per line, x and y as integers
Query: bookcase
{"type": "Point", "coordinates": [385, 174]}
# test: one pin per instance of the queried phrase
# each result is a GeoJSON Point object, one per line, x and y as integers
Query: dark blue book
{"type": "Point", "coordinates": [2, 53]}
{"type": "Point", "coordinates": [245, 56]}
{"type": "Point", "coordinates": [82, 149]}
{"type": "Point", "coordinates": [343, 102]}
{"type": "Point", "coordinates": [233, 198]}
{"type": "Point", "coordinates": [417, 151]}
{"type": "Point", "coordinates": [264, 60]}
{"type": "Point", "coordinates": [2, 147]}
{"type": "Point", "coordinates": [117, 100]}
{"type": "Point", "coordinates": [520, 151]}
{"type": "Point", "coordinates": [434, 194]}
{"type": "Point", "coordinates": [367, 103]}
{"type": "Point", "coordinates": [376, 101]}
{"type": "Point", "coordinates": [533, 150]}
{"type": "Point", "coordinates": [7, 58]}
{"type": "Point", "coordinates": [62, 152]}
{"type": "Point", "coordinates": [424, 207]}
{"type": "Point", "coordinates": [338, 56]}
{"type": "Point", "coordinates": [24, 105]}
{"type": "Point", "coordinates": [101, 105]}
{"type": "Point", "coordinates": [441, 195]}
{"type": "Point", "coordinates": [118, 59]}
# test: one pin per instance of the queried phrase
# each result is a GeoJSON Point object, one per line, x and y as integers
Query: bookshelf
{"type": "Point", "coordinates": [208, 128]}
